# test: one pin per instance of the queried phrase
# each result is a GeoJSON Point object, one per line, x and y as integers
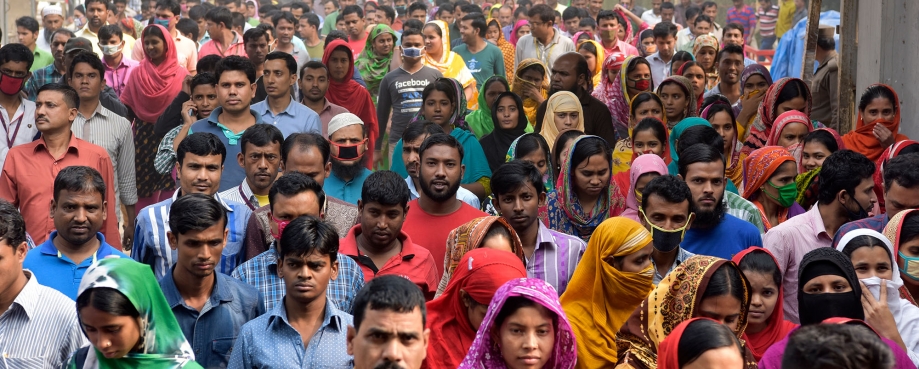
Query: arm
{"type": "Point", "coordinates": [469, 91]}
{"type": "Point", "coordinates": [384, 106]}
{"type": "Point", "coordinates": [628, 13]}
{"type": "Point", "coordinates": [9, 190]}
{"type": "Point", "coordinates": [165, 152]}
{"type": "Point", "coordinates": [110, 228]}
{"type": "Point", "coordinates": [255, 238]}
{"type": "Point", "coordinates": [173, 113]}
{"type": "Point", "coordinates": [499, 64]}
{"type": "Point", "coordinates": [127, 181]}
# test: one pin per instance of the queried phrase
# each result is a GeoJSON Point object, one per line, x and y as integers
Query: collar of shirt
{"type": "Point", "coordinates": [230, 135]}
{"type": "Point", "coordinates": [556, 35]}
{"type": "Point", "coordinates": [124, 63]}
{"type": "Point", "coordinates": [219, 294]}
{"type": "Point", "coordinates": [20, 111]}
{"type": "Point", "coordinates": [656, 57]}
{"type": "Point", "coordinates": [263, 108]}
{"type": "Point", "coordinates": [247, 194]}
{"type": "Point", "coordinates": [175, 195]}
{"type": "Point", "coordinates": [332, 316]}
{"type": "Point", "coordinates": [27, 299]}
{"type": "Point", "coordinates": [349, 244]}
{"type": "Point", "coordinates": [86, 30]}
{"type": "Point", "coordinates": [359, 177]}
{"type": "Point", "coordinates": [544, 236]}
{"type": "Point", "coordinates": [74, 144]}
{"type": "Point", "coordinates": [816, 222]}
{"type": "Point", "coordinates": [96, 111]}
{"type": "Point", "coordinates": [48, 247]}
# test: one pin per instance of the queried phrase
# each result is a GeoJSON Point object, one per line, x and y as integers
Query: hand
{"type": "Point", "coordinates": [749, 105]}
{"type": "Point", "coordinates": [618, 7]}
{"type": "Point", "coordinates": [189, 107]}
{"type": "Point", "coordinates": [127, 241]}
{"type": "Point", "coordinates": [878, 315]}
{"type": "Point", "coordinates": [378, 159]}
{"type": "Point", "coordinates": [883, 135]}
{"type": "Point", "coordinates": [532, 92]}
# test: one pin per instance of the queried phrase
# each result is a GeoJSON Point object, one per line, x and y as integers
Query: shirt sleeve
{"type": "Point", "coordinates": [165, 155]}
{"type": "Point", "coordinates": [772, 241]}
{"type": "Point", "coordinates": [9, 190]}
{"type": "Point", "coordinates": [127, 175]}
{"type": "Point", "coordinates": [110, 229]}
{"type": "Point", "coordinates": [139, 248]}
{"type": "Point", "coordinates": [239, 358]}
{"type": "Point", "coordinates": [499, 63]}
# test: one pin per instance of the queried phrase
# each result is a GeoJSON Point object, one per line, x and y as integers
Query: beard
{"type": "Point", "coordinates": [442, 196]}
{"type": "Point", "coordinates": [349, 170]}
{"type": "Point", "coordinates": [708, 218]}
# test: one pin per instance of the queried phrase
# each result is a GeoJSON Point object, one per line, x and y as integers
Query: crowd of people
{"type": "Point", "coordinates": [521, 184]}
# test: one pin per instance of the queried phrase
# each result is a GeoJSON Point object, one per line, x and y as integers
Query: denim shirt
{"type": "Point", "coordinates": [212, 331]}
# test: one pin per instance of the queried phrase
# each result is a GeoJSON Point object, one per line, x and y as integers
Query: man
{"type": "Point", "coordinates": [445, 13]}
{"type": "Point", "coordinates": [734, 35]}
{"type": "Point", "coordinates": [285, 25]}
{"type": "Point", "coordinates": [506, 18]}
{"type": "Point", "coordinates": [54, 72]}
{"type": "Point", "coordinates": [710, 9]}
{"type": "Point", "coordinates": [200, 163]}
{"type": "Point", "coordinates": [257, 46]}
{"type": "Point", "coordinates": [100, 126]}
{"type": "Point", "coordinates": [544, 42]}
{"type": "Point", "coordinates": [412, 137]}
{"type": "Point", "coordinates": [293, 195]}
{"type": "Point", "coordinates": [686, 36]}
{"type": "Point", "coordinates": [280, 109]}
{"type": "Point", "coordinates": [680, 9]}
{"type": "Point", "coordinates": [175, 114]}
{"type": "Point", "coordinates": [653, 16]}
{"type": "Point", "coordinates": [52, 18]}
{"type": "Point", "coordinates": [235, 88]}
{"type": "Point", "coordinates": [197, 13]}
{"type": "Point", "coordinates": [118, 68]}
{"type": "Point", "coordinates": [378, 243]}
{"type": "Point", "coordinates": [167, 15]}
{"type": "Point", "coordinates": [483, 58]}
{"type": "Point", "coordinates": [78, 212]}
{"type": "Point", "coordinates": [389, 325]}
{"type": "Point", "coordinates": [348, 138]}
{"type": "Point", "coordinates": [825, 86]}
{"type": "Point", "coordinates": [901, 192]}
{"type": "Point", "coordinates": [40, 326]}
{"type": "Point", "coordinates": [665, 34]}
{"type": "Point", "coordinates": [419, 11]}
{"type": "Point", "coordinates": [16, 113]}
{"type": "Point", "coordinates": [594, 7]}
{"type": "Point", "coordinates": [224, 41]}
{"type": "Point", "coordinates": [702, 25]}
{"type": "Point", "coordinates": [210, 307]}
{"type": "Point", "coordinates": [334, 16]}
{"type": "Point", "coordinates": [298, 8]}
{"type": "Point", "coordinates": [786, 15]}
{"type": "Point", "coordinates": [846, 193]}
{"type": "Point", "coordinates": [305, 329]}
{"type": "Point", "coordinates": [841, 346]}
{"type": "Point", "coordinates": [608, 24]}
{"type": "Point", "coordinates": [571, 19]}
{"type": "Point", "coordinates": [357, 35]}
{"type": "Point", "coordinates": [107, 98]}
{"type": "Point", "coordinates": [518, 194]}
{"type": "Point", "coordinates": [234, 6]}
{"type": "Point", "coordinates": [730, 66]}
{"type": "Point", "coordinates": [570, 73]}
{"type": "Point", "coordinates": [768, 15]}
{"type": "Point", "coordinates": [314, 82]}
{"type": "Point", "coordinates": [27, 33]}
{"type": "Point", "coordinates": [118, 10]}
{"type": "Point", "coordinates": [745, 16]}
{"type": "Point", "coordinates": [668, 11]}
{"type": "Point", "coordinates": [96, 17]}
{"type": "Point", "coordinates": [260, 157]}
{"type": "Point", "coordinates": [665, 211]}
{"type": "Point", "coordinates": [203, 100]}
{"type": "Point", "coordinates": [440, 174]}
{"type": "Point", "coordinates": [713, 232]}
{"type": "Point", "coordinates": [309, 31]}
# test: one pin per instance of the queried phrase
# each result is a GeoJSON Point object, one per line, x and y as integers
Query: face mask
{"type": "Point", "coordinates": [10, 85]}
{"type": "Point", "coordinates": [608, 34]}
{"type": "Point", "coordinates": [110, 49]}
{"type": "Point", "coordinates": [638, 196]}
{"type": "Point", "coordinates": [643, 84]}
{"type": "Point", "coordinates": [162, 22]}
{"type": "Point", "coordinates": [787, 194]}
{"type": "Point", "coordinates": [78, 23]}
{"type": "Point", "coordinates": [910, 266]}
{"type": "Point", "coordinates": [666, 240]}
{"type": "Point", "coordinates": [411, 52]}
{"type": "Point", "coordinates": [348, 152]}
{"type": "Point", "coordinates": [861, 214]}
{"type": "Point", "coordinates": [815, 308]}
{"type": "Point", "coordinates": [281, 224]}
{"type": "Point", "coordinates": [184, 8]}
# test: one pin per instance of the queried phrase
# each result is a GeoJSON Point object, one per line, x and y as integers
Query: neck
{"type": "Point", "coordinates": [476, 45]}
{"type": "Point", "coordinates": [113, 60]}
{"type": "Point", "coordinates": [9, 295]}
{"type": "Point", "coordinates": [96, 30]}
{"type": "Point", "coordinates": [438, 208]}
{"type": "Point", "coordinates": [59, 66]}
{"type": "Point", "coordinates": [279, 104]}
{"type": "Point", "coordinates": [57, 142]}
{"type": "Point", "coordinates": [770, 208]}
{"type": "Point", "coordinates": [193, 286]}
{"type": "Point", "coordinates": [528, 237]}
{"type": "Point", "coordinates": [87, 106]}
{"type": "Point", "coordinates": [259, 69]}
{"type": "Point", "coordinates": [242, 118]}
{"type": "Point", "coordinates": [608, 44]}
{"type": "Point", "coordinates": [32, 47]}
{"type": "Point", "coordinates": [663, 261]}
{"type": "Point", "coordinates": [832, 216]}
{"type": "Point", "coordinates": [313, 39]}
{"type": "Point", "coordinates": [371, 250]}
{"type": "Point", "coordinates": [10, 103]}
{"type": "Point", "coordinates": [257, 191]}
{"type": "Point", "coordinates": [76, 253]}
{"type": "Point", "coordinates": [588, 202]}
{"type": "Point", "coordinates": [729, 88]}
{"type": "Point", "coordinates": [227, 38]}
{"type": "Point", "coordinates": [309, 311]}
{"type": "Point", "coordinates": [287, 48]}
{"type": "Point", "coordinates": [316, 106]}
{"type": "Point", "coordinates": [411, 66]}
{"type": "Point", "coordinates": [545, 40]}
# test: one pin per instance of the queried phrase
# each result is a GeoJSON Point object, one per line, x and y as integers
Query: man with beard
{"type": "Point", "coordinates": [412, 137]}
{"type": "Point", "coordinates": [78, 212]}
{"type": "Point", "coordinates": [260, 157]}
{"type": "Point", "coordinates": [571, 73]}
{"type": "Point", "coordinates": [348, 138]}
{"type": "Point", "coordinates": [730, 65]}
{"type": "Point", "coordinates": [52, 18]}
{"type": "Point", "coordinates": [438, 211]}
{"type": "Point", "coordinates": [392, 313]}
{"type": "Point", "coordinates": [713, 232]}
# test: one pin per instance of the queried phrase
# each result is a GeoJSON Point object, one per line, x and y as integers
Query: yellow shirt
{"type": "Point", "coordinates": [786, 15]}
{"type": "Point", "coordinates": [262, 200]}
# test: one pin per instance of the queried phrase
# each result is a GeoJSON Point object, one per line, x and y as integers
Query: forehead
{"type": "Point", "coordinates": [306, 156]}
{"type": "Point", "coordinates": [204, 160]}
{"type": "Point", "coordinates": [393, 321]}
{"type": "Point", "coordinates": [713, 169]}
{"type": "Point", "coordinates": [658, 204]}
{"type": "Point", "coordinates": [204, 89]}
{"type": "Point", "coordinates": [88, 194]}
{"type": "Point", "coordinates": [354, 130]}
{"type": "Point", "coordinates": [16, 66]}
{"type": "Point", "coordinates": [233, 76]}
{"type": "Point", "coordinates": [441, 152]}
{"type": "Point", "coordinates": [50, 96]}
{"type": "Point", "coordinates": [213, 232]}
{"type": "Point", "coordinates": [276, 64]}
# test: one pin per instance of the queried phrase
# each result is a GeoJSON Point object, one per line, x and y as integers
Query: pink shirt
{"type": "Point", "coordinates": [117, 77]}
{"type": "Point", "coordinates": [212, 48]}
{"type": "Point", "coordinates": [623, 48]}
{"type": "Point", "coordinates": [788, 242]}
{"type": "Point", "coordinates": [186, 50]}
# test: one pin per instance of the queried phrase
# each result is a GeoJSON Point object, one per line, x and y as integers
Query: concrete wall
{"type": "Point", "coordinates": [13, 9]}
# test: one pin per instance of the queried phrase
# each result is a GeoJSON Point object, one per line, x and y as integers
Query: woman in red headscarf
{"type": "Point", "coordinates": [766, 322]}
{"type": "Point", "coordinates": [878, 124]}
{"type": "Point", "coordinates": [690, 341]}
{"type": "Point", "coordinates": [344, 91]}
{"type": "Point", "coordinates": [785, 94]}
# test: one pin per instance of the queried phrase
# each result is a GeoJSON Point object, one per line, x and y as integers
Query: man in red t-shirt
{"type": "Point", "coordinates": [437, 211]}
{"type": "Point", "coordinates": [353, 16]}
{"type": "Point", "coordinates": [378, 244]}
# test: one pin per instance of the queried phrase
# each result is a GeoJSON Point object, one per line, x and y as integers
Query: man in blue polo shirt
{"type": "Point", "coordinates": [280, 108]}
{"type": "Point", "coordinates": [78, 211]}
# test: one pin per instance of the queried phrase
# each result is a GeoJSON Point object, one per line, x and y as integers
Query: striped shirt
{"type": "Point", "coordinates": [40, 78]}
{"type": "Point", "coordinates": [165, 158]}
{"type": "Point", "coordinates": [40, 329]}
{"type": "Point", "coordinates": [151, 245]}
{"type": "Point", "coordinates": [555, 258]}
{"type": "Point", "coordinates": [745, 16]}
{"type": "Point", "coordinates": [743, 209]}
{"type": "Point", "coordinates": [242, 194]}
{"type": "Point", "coordinates": [767, 19]}
{"type": "Point", "coordinates": [113, 133]}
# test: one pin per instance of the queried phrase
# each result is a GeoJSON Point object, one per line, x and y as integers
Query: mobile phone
{"type": "Point", "coordinates": [191, 112]}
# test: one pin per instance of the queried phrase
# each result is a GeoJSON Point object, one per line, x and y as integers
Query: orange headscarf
{"type": "Point", "coordinates": [758, 167]}
{"type": "Point", "coordinates": [862, 139]}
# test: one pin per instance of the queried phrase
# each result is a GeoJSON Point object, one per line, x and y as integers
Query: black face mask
{"type": "Point", "coordinates": [861, 214]}
{"type": "Point", "coordinates": [816, 308]}
{"type": "Point", "coordinates": [666, 240]}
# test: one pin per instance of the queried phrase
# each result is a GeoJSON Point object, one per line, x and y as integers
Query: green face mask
{"type": "Point", "coordinates": [787, 194]}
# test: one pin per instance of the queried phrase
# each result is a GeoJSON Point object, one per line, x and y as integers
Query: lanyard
{"type": "Point", "coordinates": [548, 54]}
{"type": "Point", "coordinates": [245, 199]}
{"type": "Point", "coordinates": [18, 122]}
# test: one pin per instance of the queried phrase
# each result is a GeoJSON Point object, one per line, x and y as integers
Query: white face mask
{"type": "Point", "coordinates": [110, 50]}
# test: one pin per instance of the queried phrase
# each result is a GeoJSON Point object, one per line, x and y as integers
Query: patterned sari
{"type": "Point", "coordinates": [451, 65]}
{"type": "Point", "coordinates": [614, 93]}
{"type": "Point", "coordinates": [889, 153]}
{"type": "Point", "coordinates": [711, 77]}
{"type": "Point", "coordinates": [530, 105]}
{"type": "Point", "coordinates": [508, 50]}
{"type": "Point", "coordinates": [862, 140]}
{"type": "Point", "coordinates": [374, 67]}
{"type": "Point", "coordinates": [758, 167]}
{"type": "Point", "coordinates": [759, 131]}
{"type": "Point", "coordinates": [892, 231]}
{"type": "Point", "coordinates": [470, 236]}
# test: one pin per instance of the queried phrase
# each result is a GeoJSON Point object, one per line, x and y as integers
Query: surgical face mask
{"type": "Point", "coordinates": [10, 85]}
{"type": "Point", "coordinates": [348, 152]}
{"type": "Point", "coordinates": [411, 52]}
{"type": "Point", "coordinates": [78, 22]}
{"type": "Point", "coordinates": [786, 194]}
{"type": "Point", "coordinates": [162, 22]}
{"type": "Point", "coordinates": [641, 84]}
{"type": "Point", "coordinates": [608, 34]}
{"type": "Point", "coordinates": [111, 49]}
{"type": "Point", "coordinates": [910, 266]}
{"type": "Point", "coordinates": [666, 240]}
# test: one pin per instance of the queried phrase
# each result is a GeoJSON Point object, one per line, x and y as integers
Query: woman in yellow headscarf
{"type": "Point", "coordinates": [610, 282]}
{"type": "Point", "coordinates": [595, 55]}
{"type": "Point", "coordinates": [496, 35]}
{"type": "Point", "coordinates": [705, 49]}
{"type": "Point", "coordinates": [437, 55]}
{"type": "Point", "coordinates": [531, 82]}
{"type": "Point", "coordinates": [563, 113]}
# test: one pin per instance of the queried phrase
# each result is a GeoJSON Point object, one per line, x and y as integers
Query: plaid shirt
{"type": "Point", "coordinates": [743, 209]}
{"type": "Point", "coordinates": [261, 272]}
{"type": "Point", "coordinates": [876, 223]}
{"type": "Point", "coordinates": [40, 78]}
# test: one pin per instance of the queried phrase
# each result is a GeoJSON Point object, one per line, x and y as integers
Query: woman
{"type": "Point", "coordinates": [878, 124]}
{"type": "Point", "coordinates": [644, 169]}
{"type": "Point", "coordinates": [720, 115]}
{"type": "Point", "coordinates": [531, 82]}
{"type": "Point", "coordinates": [789, 131]}
{"type": "Point", "coordinates": [675, 136]}
{"type": "Point", "coordinates": [508, 50]}
{"type": "Point", "coordinates": [705, 49]}
{"type": "Point", "coordinates": [344, 91]}
{"type": "Point", "coordinates": [676, 92]}
{"type": "Point", "coordinates": [562, 145]}
{"type": "Point", "coordinates": [456, 315]}
{"type": "Point", "coordinates": [676, 62]}
{"type": "Point", "coordinates": [696, 75]}
{"type": "Point", "coordinates": [585, 194]}
{"type": "Point", "coordinates": [784, 95]}
{"type": "Point", "coordinates": [903, 232]}
{"type": "Point", "coordinates": [480, 121]}
{"type": "Point", "coordinates": [897, 149]}
{"type": "Point", "coordinates": [531, 304]}
{"type": "Point", "coordinates": [593, 52]}
{"type": "Point", "coordinates": [633, 78]}
{"type": "Point", "coordinates": [151, 87]}
{"type": "Point", "coordinates": [377, 57]}
{"type": "Point", "coordinates": [510, 124]}
{"type": "Point", "coordinates": [611, 280]}
{"type": "Point", "coordinates": [563, 113]}
{"type": "Point", "coordinates": [121, 295]}
{"type": "Point", "coordinates": [701, 283]}
{"type": "Point", "coordinates": [769, 183]}
{"type": "Point", "coordinates": [651, 138]}
{"type": "Point", "coordinates": [521, 28]}
{"type": "Point", "coordinates": [646, 45]}
{"type": "Point", "coordinates": [486, 232]}
{"type": "Point", "coordinates": [437, 55]}
{"type": "Point", "coordinates": [701, 343]}
{"type": "Point", "coordinates": [533, 148]}
{"type": "Point", "coordinates": [754, 81]}
{"type": "Point", "coordinates": [818, 145]}
{"type": "Point", "coordinates": [766, 322]}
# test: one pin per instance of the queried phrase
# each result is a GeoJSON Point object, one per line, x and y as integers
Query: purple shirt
{"type": "Point", "coordinates": [556, 256]}
{"type": "Point", "coordinates": [772, 359]}
{"type": "Point", "coordinates": [117, 77]}
{"type": "Point", "coordinates": [875, 223]}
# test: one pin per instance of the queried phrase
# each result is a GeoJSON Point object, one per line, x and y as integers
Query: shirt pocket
{"type": "Point", "coordinates": [222, 348]}
{"type": "Point", "coordinates": [23, 363]}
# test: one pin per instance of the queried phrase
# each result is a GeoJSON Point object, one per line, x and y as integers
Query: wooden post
{"type": "Point", "coordinates": [810, 41]}
{"type": "Point", "coordinates": [848, 53]}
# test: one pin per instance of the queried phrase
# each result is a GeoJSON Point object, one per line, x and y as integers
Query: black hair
{"type": "Point", "coordinates": [902, 170]}
{"type": "Point", "coordinates": [719, 98]}
{"type": "Point", "coordinates": [512, 175]}
{"type": "Point", "coordinates": [571, 13]}
{"type": "Point", "coordinates": [287, 16]}
{"type": "Point", "coordinates": [208, 64]}
{"type": "Point", "coordinates": [875, 92]}
{"type": "Point", "coordinates": [538, 67]}
{"type": "Point", "coordinates": [642, 98]}
{"type": "Point", "coordinates": [239, 20]}
{"type": "Point", "coordinates": [188, 26]}
{"type": "Point", "coordinates": [664, 29]}
{"type": "Point", "coordinates": [195, 212]}
{"type": "Point", "coordinates": [478, 22]}
{"type": "Point", "coordinates": [303, 141]}
{"type": "Point", "coordinates": [497, 229]}
{"type": "Point", "coordinates": [71, 98]}
{"type": "Point", "coordinates": [255, 33]}
{"type": "Point", "coordinates": [514, 303]}
{"type": "Point", "coordinates": [268, 28]}
{"type": "Point", "coordinates": [582, 69]}
{"type": "Point", "coordinates": [386, 188]}
{"type": "Point", "coordinates": [388, 12]}
{"type": "Point", "coordinates": [236, 63]}
{"type": "Point", "coordinates": [305, 235]}
{"type": "Point", "coordinates": [730, 49]}
{"type": "Point", "coordinates": [103, 2]}
{"type": "Point", "coordinates": [299, 5]}
{"type": "Point", "coordinates": [910, 228]}
{"type": "Point", "coordinates": [108, 300]}
{"type": "Point", "coordinates": [389, 293]}
{"type": "Point", "coordinates": [702, 18]}
{"type": "Point", "coordinates": [220, 15]}
{"type": "Point", "coordinates": [261, 135]}
{"type": "Point", "coordinates": [79, 179]}
{"type": "Point", "coordinates": [761, 262]}
{"type": "Point", "coordinates": [27, 22]}
{"type": "Point", "coordinates": [836, 346]}
{"type": "Point", "coordinates": [704, 335]}
{"type": "Point", "coordinates": [681, 56]}
{"type": "Point", "coordinates": [267, 8]}
{"type": "Point", "coordinates": [692, 11]}
{"type": "Point", "coordinates": [12, 225]}
{"type": "Point", "coordinates": [667, 5]}
{"type": "Point", "coordinates": [638, 60]}
{"type": "Point", "coordinates": [420, 128]}
{"type": "Point", "coordinates": [16, 53]}
{"type": "Point", "coordinates": [334, 2]}
{"type": "Point", "coordinates": [202, 78]}
{"type": "Point", "coordinates": [824, 138]}
{"type": "Point", "coordinates": [197, 12]}
{"type": "Point", "coordinates": [470, 8]}
{"type": "Point", "coordinates": [292, 184]}
{"type": "Point", "coordinates": [655, 126]}
{"type": "Point", "coordinates": [335, 35]}
{"type": "Point", "coordinates": [826, 43]}
{"type": "Point", "coordinates": [89, 58]}
{"type": "Point", "coordinates": [170, 5]}
{"type": "Point", "coordinates": [286, 57]}
{"type": "Point", "coordinates": [521, 9]}
{"type": "Point", "coordinates": [412, 24]}
{"type": "Point", "coordinates": [607, 14]}
{"type": "Point", "coordinates": [530, 142]}
{"type": "Point", "coordinates": [842, 170]}
{"type": "Point", "coordinates": [201, 144]}
{"type": "Point", "coordinates": [440, 139]}
{"type": "Point", "coordinates": [588, 147]}
{"type": "Point", "coordinates": [443, 85]}
{"type": "Point", "coordinates": [734, 25]}
{"type": "Point", "coordinates": [446, 7]}
{"type": "Point", "coordinates": [63, 30]}
{"type": "Point", "coordinates": [727, 280]}
{"type": "Point", "coordinates": [864, 241]}
{"type": "Point", "coordinates": [542, 12]}
{"type": "Point", "coordinates": [418, 5]}
{"type": "Point", "coordinates": [794, 88]}
{"type": "Point", "coordinates": [227, 2]}
{"type": "Point", "coordinates": [718, 108]}
{"type": "Point", "coordinates": [699, 135]}
{"type": "Point", "coordinates": [312, 19]}
{"type": "Point", "coordinates": [151, 31]}
{"type": "Point", "coordinates": [668, 187]}
{"type": "Point", "coordinates": [410, 31]}
{"type": "Point", "coordinates": [562, 139]}
{"type": "Point", "coordinates": [700, 153]}
{"type": "Point", "coordinates": [313, 64]}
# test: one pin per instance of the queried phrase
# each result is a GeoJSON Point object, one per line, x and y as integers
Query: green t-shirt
{"type": "Point", "coordinates": [484, 64]}
{"type": "Point", "coordinates": [42, 59]}
{"type": "Point", "coordinates": [328, 24]}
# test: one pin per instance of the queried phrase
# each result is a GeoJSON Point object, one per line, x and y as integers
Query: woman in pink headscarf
{"type": "Point", "coordinates": [644, 169]}
{"type": "Point", "coordinates": [521, 28]}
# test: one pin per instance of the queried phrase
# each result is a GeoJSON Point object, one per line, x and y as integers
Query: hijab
{"type": "Point", "coordinates": [599, 297]}
{"type": "Point", "coordinates": [889, 153]}
{"type": "Point", "coordinates": [517, 26]}
{"type": "Point", "coordinates": [529, 105]}
{"type": "Point", "coordinates": [758, 167]}
{"type": "Point", "coordinates": [766, 114]}
{"type": "Point", "coordinates": [648, 163]}
{"type": "Point", "coordinates": [351, 95]}
{"type": "Point", "coordinates": [562, 101]}
{"type": "Point", "coordinates": [164, 344]}
{"type": "Point", "coordinates": [485, 352]}
{"type": "Point", "coordinates": [893, 231]}
{"type": "Point", "coordinates": [783, 120]}
{"type": "Point", "coordinates": [549, 178]}
{"type": "Point", "coordinates": [642, 50]}
{"type": "Point", "coordinates": [457, 118]}
{"type": "Point", "coordinates": [685, 85]}
{"type": "Point", "coordinates": [600, 57]}
{"type": "Point", "coordinates": [498, 142]}
{"type": "Point", "coordinates": [374, 67]}
{"type": "Point", "coordinates": [670, 348]}
{"type": "Point", "coordinates": [808, 182]}
{"type": "Point", "coordinates": [151, 87]}
{"type": "Point", "coordinates": [614, 93]}
{"type": "Point", "coordinates": [481, 121]}
{"type": "Point", "coordinates": [862, 140]}
{"type": "Point", "coordinates": [446, 57]}
{"type": "Point", "coordinates": [675, 136]}
{"type": "Point", "coordinates": [815, 308]}
{"type": "Point", "coordinates": [777, 328]}
{"type": "Point", "coordinates": [711, 78]}
{"type": "Point", "coordinates": [479, 273]}
{"type": "Point", "coordinates": [508, 50]}
{"type": "Point", "coordinates": [734, 167]}
{"type": "Point", "coordinates": [470, 236]}
{"type": "Point", "coordinates": [750, 71]}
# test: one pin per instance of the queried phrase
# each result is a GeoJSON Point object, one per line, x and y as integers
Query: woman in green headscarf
{"type": "Point", "coordinates": [123, 293]}
{"type": "Point", "coordinates": [377, 57]}
{"type": "Point", "coordinates": [480, 121]}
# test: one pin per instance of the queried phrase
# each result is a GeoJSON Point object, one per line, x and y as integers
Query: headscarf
{"type": "Point", "coordinates": [808, 182]}
{"type": "Point", "coordinates": [889, 153]}
{"type": "Point", "coordinates": [549, 178]}
{"type": "Point", "coordinates": [692, 105]}
{"type": "Point", "coordinates": [675, 135]}
{"type": "Point", "coordinates": [783, 120]}
{"type": "Point", "coordinates": [758, 167]}
{"type": "Point", "coordinates": [565, 212]}
{"type": "Point", "coordinates": [734, 167]}
{"type": "Point", "coordinates": [579, 33]}
{"type": "Point", "coordinates": [498, 142]}
{"type": "Point", "coordinates": [675, 300]}
{"type": "Point", "coordinates": [517, 26]}
{"type": "Point", "coordinates": [481, 121]}
{"type": "Point", "coordinates": [749, 71]}
{"type": "Point", "coordinates": [893, 231]}
{"type": "Point", "coordinates": [614, 93]}
{"type": "Point", "coordinates": [641, 165]}
{"type": "Point", "coordinates": [457, 118]}
{"type": "Point", "coordinates": [164, 344]}
{"type": "Point", "coordinates": [761, 128]}
{"type": "Point", "coordinates": [446, 57]}
{"type": "Point", "coordinates": [669, 357]}
{"type": "Point", "coordinates": [862, 140]}
{"type": "Point", "coordinates": [600, 297]}
{"type": "Point", "coordinates": [374, 67]}
{"type": "Point", "coordinates": [776, 326]}
{"type": "Point", "coordinates": [470, 236]}
{"type": "Point", "coordinates": [560, 101]}
{"type": "Point", "coordinates": [711, 78]}
{"type": "Point", "coordinates": [351, 95]}
{"type": "Point", "coordinates": [828, 261]}
{"type": "Point", "coordinates": [151, 87]}
{"type": "Point", "coordinates": [480, 273]}
{"type": "Point", "coordinates": [641, 47]}
{"type": "Point", "coordinates": [485, 352]}
{"type": "Point", "coordinates": [600, 55]}
{"type": "Point", "coordinates": [629, 33]}
{"type": "Point", "coordinates": [507, 49]}
{"type": "Point", "coordinates": [529, 105]}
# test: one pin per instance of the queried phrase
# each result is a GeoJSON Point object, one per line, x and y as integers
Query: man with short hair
{"type": "Point", "coordinates": [544, 42]}
{"type": "Point", "coordinates": [285, 25]}
{"type": "Point", "coordinates": [96, 16]}
{"type": "Point", "coordinates": [348, 138]}
{"type": "Point", "coordinates": [354, 22]}
{"type": "Point", "coordinates": [730, 66]}
{"type": "Point", "coordinates": [665, 212]}
{"type": "Point", "coordinates": [445, 13]}
{"type": "Point", "coordinates": [203, 100]}
{"type": "Point", "coordinates": [594, 7]}
{"type": "Point", "coordinates": [260, 157]}
{"type": "Point", "coordinates": [608, 24]}
{"type": "Point", "coordinates": [306, 329]}
{"type": "Point", "coordinates": [224, 40]}
{"type": "Point", "coordinates": [52, 18]}
{"type": "Point", "coordinates": [702, 25]}
{"type": "Point", "coordinates": [665, 34]}
{"type": "Point", "coordinates": [767, 17]}
{"type": "Point", "coordinates": [197, 13]}
{"type": "Point", "coordinates": [280, 108]}
{"type": "Point", "coordinates": [314, 82]}
{"type": "Point", "coordinates": [506, 19]}
{"type": "Point", "coordinates": [419, 11]}
{"type": "Point", "coordinates": [118, 68]}
{"type": "Point", "coordinates": [846, 194]}
{"type": "Point", "coordinates": [686, 36]}
{"type": "Point", "coordinates": [16, 113]}
{"type": "Point", "coordinates": [901, 192]}
{"type": "Point", "coordinates": [167, 15]}
{"type": "Point", "coordinates": [653, 16]}
{"type": "Point", "coordinates": [710, 9]}
{"type": "Point", "coordinates": [54, 72]}
{"type": "Point", "coordinates": [392, 310]}
{"type": "Point", "coordinates": [483, 58]}
{"type": "Point", "coordinates": [210, 307]}
{"type": "Point", "coordinates": [412, 137]}
{"type": "Point", "coordinates": [309, 31]}
{"type": "Point", "coordinates": [825, 85]}
{"type": "Point", "coordinates": [107, 98]}
{"type": "Point", "coordinates": [840, 346]}
{"type": "Point", "coordinates": [257, 49]}
{"type": "Point", "coordinates": [733, 34]}
{"type": "Point", "coordinates": [571, 18]}
{"type": "Point", "coordinates": [27, 33]}
{"type": "Point", "coordinates": [78, 212]}
{"type": "Point", "coordinates": [40, 325]}
{"type": "Point", "coordinates": [668, 13]}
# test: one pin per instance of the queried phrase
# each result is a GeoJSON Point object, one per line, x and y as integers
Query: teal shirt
{"type": "Point", "coordinates": [484, 64]}
{"type": "Point", "coordinates": [349, 191]}
{"type": "Point", "coordinates": [473, 158]}
{"type": "Point", "coordinates": [42, 59]}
